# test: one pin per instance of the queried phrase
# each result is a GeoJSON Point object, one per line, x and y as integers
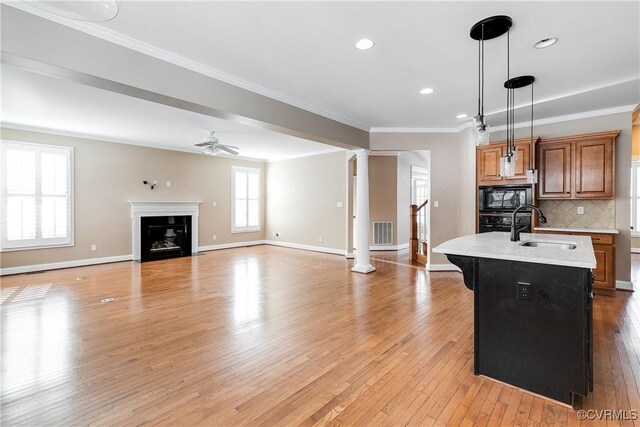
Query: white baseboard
{"type": "Point", "coordinates": [306, 247]}
{"type": "Point", "coordinates": [442, 267]}
{"type": "Point", "coordinates": [635, 250]}
{"type": "Point", "coordinates": [230, 245]}
{"type": "Point", "coordinates": [389, 247]}
{"type": "Point", "coordinates": [350, 255]}
{"type": "Point", "coordinates": [63, 264]}
{"type": "Point", "coordinates": [624, 285]}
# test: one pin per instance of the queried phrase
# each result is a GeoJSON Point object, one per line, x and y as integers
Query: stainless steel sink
{"type": "Point", "coordinates": [540, 244]}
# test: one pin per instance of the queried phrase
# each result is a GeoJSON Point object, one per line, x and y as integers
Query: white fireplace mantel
{"type": "Point", "coordinates": [140, 209]}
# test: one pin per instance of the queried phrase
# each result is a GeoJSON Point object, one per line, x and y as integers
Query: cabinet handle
{"type": "Point", "coordinates": [568, 192]}
{"type": "Point", "coordinates": [578, 192]}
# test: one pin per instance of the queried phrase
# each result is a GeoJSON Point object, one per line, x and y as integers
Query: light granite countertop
{"type": "Point", "coordinates": [579, 230]}
{"type": "Point", "coordinates": [497, 245]}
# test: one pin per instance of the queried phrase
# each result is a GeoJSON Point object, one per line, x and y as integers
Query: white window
{"type": "Point", "coordinates": [635, 198]}
{"type": "Point", "coordinates": [245, 199]}
{"type": "Point", "coordinates": [36, 207]}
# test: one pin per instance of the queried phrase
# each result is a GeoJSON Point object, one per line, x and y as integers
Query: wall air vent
{"type": "Point", "coordinates": [382, 233]}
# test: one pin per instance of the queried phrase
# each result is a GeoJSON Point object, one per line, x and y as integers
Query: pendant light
{"type": "Point", "coordinates": [486, 29]}
{"type": "Point", "coordinates": [508, 161]}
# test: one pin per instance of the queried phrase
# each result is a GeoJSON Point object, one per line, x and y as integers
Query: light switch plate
{"type": "Point", "coordinates": [435, 204]}
{"type": "Point", "coordinates": [339, 204]}
{"type": "Point", "coordinates": [215, 204]}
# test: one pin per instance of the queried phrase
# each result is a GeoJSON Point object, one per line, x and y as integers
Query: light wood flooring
{"type": "Point", "coordinates": [274, 336]}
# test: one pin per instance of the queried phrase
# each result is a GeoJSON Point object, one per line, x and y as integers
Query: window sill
{"type": "Point", "coordinates": [33, 248]}
{"type": "Point", "coordinates": [249, 230]}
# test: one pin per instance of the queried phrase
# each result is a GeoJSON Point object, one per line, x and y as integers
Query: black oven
{"type": "Point", "coordinates": [488, 222]}
{"type": "Point", "coordinates": [503, 198]}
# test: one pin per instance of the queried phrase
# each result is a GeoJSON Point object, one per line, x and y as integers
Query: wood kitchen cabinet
{"type": "Point", "coordinates": [604, 249]}
{"type": "Point", "coordinates": [577, 167]}
{"type": "Point", "coordinates": [488, 162]}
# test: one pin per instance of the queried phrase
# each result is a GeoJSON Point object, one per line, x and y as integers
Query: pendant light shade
{"type": "Point", "coordinates": [486, 29]}
{"type": "Point", "coordinates": [508, 161]}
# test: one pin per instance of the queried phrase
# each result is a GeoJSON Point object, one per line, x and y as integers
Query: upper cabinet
{"type": "Point", "coordinates": [488, 163]}
{"type": "Point", "coordinates": [554, 174]}
{"type": "Point", "coordinates": [577, 167]}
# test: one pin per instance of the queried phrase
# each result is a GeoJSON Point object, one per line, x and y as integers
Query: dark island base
{"type": "Point", "coordinates": [532, 325]}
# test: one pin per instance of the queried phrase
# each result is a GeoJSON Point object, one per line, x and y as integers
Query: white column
{"type": "Point", "coordinates": [363, 260]}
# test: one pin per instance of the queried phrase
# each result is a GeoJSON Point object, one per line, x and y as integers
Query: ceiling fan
{"type": "Point", "coordinates": [213, 147]}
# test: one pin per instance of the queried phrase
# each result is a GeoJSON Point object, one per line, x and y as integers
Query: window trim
{"type": "Point", "coordinates": [635, 194]}
{"type": "Point", "coordinates": [245, 229]}
{"type": "Point", "coordinates": [71, 225]}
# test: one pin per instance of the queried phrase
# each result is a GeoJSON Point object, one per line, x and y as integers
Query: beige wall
{"type": "Point", "coordinates": [383, 186]}
{"type": "Point", "coordinates": [107, 175]}
{"type": "Point", "coordinates": [635, 142]}
{"type": "Point", "coordinates": [302, 200]}
{"type": "Point", "coordinates": [622, 122]}
{"type": "Point", "coordinates": [446, 162]}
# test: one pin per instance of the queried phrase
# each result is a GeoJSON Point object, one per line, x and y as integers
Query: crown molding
{"type": "Point", "coordinates": [547, 121]}
{"type": "Point", "coordinates": [100, 138]}
{"type": "Point", "coordinates": [569, 117]}
{"type": "Point", "coordinates": [419, 129]}
{"type": "Point", "coordinates": [164, 55]}
{"type": "Point", "coordinates": [379, 153]}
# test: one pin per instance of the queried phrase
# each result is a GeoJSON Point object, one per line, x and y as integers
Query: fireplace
{"type": "Point", "coordinates": [162, 230]}
{"type": "Point", "coordinates": [164, 237]}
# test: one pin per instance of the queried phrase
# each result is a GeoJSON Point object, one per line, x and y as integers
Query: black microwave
{"type": "Point", "coordinates": [503, 198]}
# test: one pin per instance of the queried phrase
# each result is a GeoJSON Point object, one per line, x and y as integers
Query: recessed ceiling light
{"type": "Point", "coordinates": [426, 91]}
{"type": "Point", "coordinates": [545, 43]}
{"type": "Point", "coordinates": [364, 44]}
{"type": "Point", "coordinates": [461, 116]}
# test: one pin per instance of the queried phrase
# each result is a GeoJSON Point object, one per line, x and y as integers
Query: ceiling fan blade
{"type": "Point", "coordinates": [233, 147]}
{"type": "Point", "coordinates": [228, 150]}
{"type": "Point", "coordinates": [202, 144]}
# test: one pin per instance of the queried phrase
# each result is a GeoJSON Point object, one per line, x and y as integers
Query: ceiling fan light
{"type": "Point", "coordinates": [211, 151]}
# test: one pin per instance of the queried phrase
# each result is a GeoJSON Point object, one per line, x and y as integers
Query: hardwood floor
{"type": "Point", "coordinates": [274, 336]}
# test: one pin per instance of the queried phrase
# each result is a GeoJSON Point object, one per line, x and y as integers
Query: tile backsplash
{"type": "Point", "coordinates": [564, 213]}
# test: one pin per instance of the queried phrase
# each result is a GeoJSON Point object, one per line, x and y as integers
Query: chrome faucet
{"type": "Point", "coordinates": [515, 231]}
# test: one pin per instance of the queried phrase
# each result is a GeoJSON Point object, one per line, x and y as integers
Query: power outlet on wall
{"type": "Point", "coordinates": [320, 239]}
{"type": "Point", "coordinates": [580, 210]}
{"type": "Point", "coordinates": [94, 248]}
{"type": "Point", "coordinates": [215, 237]}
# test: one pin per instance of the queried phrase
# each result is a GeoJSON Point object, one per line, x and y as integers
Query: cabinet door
{"type": "Point", "coordinates": [523, 163]}
{"type": "Point", "coordinates": [554, 171]}
{"type": "Point", "coordinates": [488, 163]}
{"type": "Point", "coordinates": [594, 169]}
{"type": "Point", "coordinates": [604, 282]}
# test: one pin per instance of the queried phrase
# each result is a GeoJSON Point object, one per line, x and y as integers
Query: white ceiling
{"type": "Point", "coordinates": [35, 101]}
{"type": "Point", "coordinates": [303, 53]}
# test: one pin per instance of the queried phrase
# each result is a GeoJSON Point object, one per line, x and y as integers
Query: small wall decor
{"type": "Point", "coordinates": [151, 185]}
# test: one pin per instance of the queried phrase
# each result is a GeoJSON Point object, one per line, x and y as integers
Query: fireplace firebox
{"type": "Point", "coordinates": [164, 237]}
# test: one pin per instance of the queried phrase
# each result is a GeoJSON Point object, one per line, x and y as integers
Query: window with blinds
{"type": "Point", "coordinates": [36, 195]}
{"type": "Point", "coordinates": [245, 190]}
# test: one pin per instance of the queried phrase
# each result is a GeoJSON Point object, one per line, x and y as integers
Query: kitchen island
{"type": "Point", "coordinates": [532, 309]}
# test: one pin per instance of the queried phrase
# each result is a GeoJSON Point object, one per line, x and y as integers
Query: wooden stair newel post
{"type": "Point", "coordinates": [413, 238]}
